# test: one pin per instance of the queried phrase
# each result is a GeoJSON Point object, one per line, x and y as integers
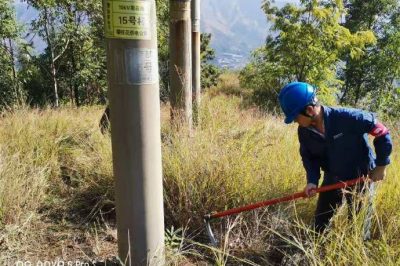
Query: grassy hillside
{"type": "Point", "coordinates": [56, 192]}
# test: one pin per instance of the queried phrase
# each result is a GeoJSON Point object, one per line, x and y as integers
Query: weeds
{"type": "Point", "coordinates": [56, 192]}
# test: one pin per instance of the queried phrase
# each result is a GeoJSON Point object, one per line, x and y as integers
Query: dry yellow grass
{"type": "Point", "coordinates": [56, 191]}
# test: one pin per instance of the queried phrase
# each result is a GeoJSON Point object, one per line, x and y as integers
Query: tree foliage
{"type": "Point", "coordinates": [163, 46]}
{"type": "Point", "coordinates": [306, 44]}
{"type": "Point", "coordinates": [72, 67]}
{"type": "Point", "coordinates": [209, 72]}
{"type": "Point", "coordinates": [10, 92]}
{"type": "Point", "coordinates": [74, 59]}
{"type": "Point", "coordinates": [370, 80]}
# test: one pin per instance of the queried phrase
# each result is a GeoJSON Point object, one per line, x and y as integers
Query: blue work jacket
{"type": "Point", "coordinates": [343, 152]}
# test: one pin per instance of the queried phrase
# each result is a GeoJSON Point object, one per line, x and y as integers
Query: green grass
{"type": "Point", "coordinates": [56, 191]}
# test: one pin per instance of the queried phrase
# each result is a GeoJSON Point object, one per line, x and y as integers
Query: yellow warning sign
{"type": "Point", "coordinates": [128, 19]}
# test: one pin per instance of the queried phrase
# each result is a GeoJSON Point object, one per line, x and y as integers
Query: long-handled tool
{"type": "Point", "coordinates": [369, 214]}
{"type": "Point", "coordinates": [209, 217]}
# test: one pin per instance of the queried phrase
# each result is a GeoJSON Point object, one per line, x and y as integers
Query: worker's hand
{"type": "Point", "coordinates": [378, 173]}
{"type": "Point", "coordinates": [310, 190]}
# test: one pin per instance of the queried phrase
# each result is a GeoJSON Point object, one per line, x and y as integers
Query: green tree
{"type": "Point", "coordinates": [74, 59]}
{"type": "Point", "coordinates": [10, 89]}
{"type": "Point", "coordinates": [73, 65]}
{"type": "Point", "coordinates": [370, 80]}
{"type": "Point", "coordinates": [163, 46]}
{"type": "Point", "coordinates": [209, 72]}
{"type": "Point", "coordinates": [306, 45]}
{"type": "Point", "coordinates": [50, 26]}
{"type": "Point", "coordinates": [34, 75]}
{"type": "Point", "coordinates": [83, 70]}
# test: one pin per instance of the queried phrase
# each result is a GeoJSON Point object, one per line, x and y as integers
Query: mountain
{"type": "Point", "coordinates": [237, 28]}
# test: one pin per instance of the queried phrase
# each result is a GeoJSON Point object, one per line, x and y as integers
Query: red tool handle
{"type": "Point", "coordinates": [284, 199]}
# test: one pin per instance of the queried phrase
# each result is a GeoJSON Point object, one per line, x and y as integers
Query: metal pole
{"type": "Point", "coordinates": [180, 62]}
{"type": "Point", "coordinates": [196, 60]}
{"type": "Point", "coordinates": [132, 64]}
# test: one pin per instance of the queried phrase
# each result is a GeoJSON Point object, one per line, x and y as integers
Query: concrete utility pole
{"type": "Point", "coordinates": [132, 63]}
{"type": "Point", "coordinates": [196, 60]}
{"type": "Point", "coordinates": [180, 62]}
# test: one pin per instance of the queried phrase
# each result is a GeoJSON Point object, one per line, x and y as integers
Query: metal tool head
{"type": "Point", "coordinates": [213, 240]}
{"type": "Point", "coordinates": [370, 212]}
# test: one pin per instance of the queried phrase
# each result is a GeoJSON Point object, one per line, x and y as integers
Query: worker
{"type": "Point", "coordinates": [336, 141]}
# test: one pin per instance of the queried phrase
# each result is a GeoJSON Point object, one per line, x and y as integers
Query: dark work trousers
{"type": "Point", "coordinates": [329, 201]}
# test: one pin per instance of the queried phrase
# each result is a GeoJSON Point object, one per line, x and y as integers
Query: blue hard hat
{"type": "Point", "coordinates": [294, 97]}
